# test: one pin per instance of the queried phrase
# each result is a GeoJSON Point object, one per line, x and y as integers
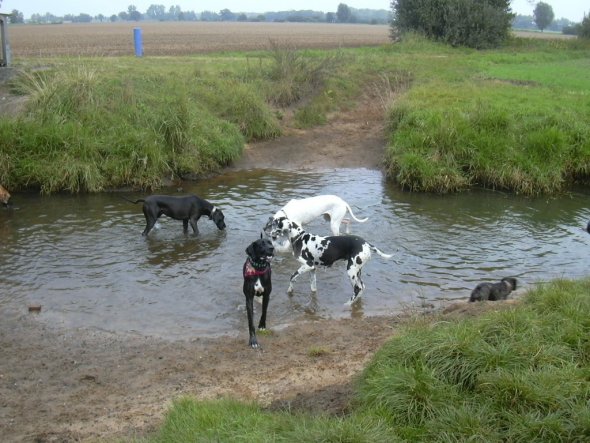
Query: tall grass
{"type": "Point", "coordinates": [517, 373]}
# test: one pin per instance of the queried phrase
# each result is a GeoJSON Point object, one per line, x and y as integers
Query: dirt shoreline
{"type": "Point", "coordinates": [59, 385]}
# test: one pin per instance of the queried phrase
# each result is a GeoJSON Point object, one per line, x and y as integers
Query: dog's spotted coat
{"type": "Point", "coordinates": [313, 250]}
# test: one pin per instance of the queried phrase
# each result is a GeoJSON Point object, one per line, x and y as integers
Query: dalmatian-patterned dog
{"type": "Point", "coordinates": [312, 250]}
{"type": "Point", "coordinates": [304, 210]}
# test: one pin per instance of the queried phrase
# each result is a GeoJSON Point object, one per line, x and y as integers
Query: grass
{"type": "Point", "coordinates": [520, 373]}
{"type": "Point", "coordinates": [92, 125]}
{"type": "Point", "coordinates": [514, 118]}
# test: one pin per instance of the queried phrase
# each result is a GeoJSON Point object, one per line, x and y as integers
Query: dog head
{"type": "Point", "coordinates": [281, 226]}
{"type": "Point", "coordinates": [218, 218]}
{"type": "Point", "coordinates": [4, 196]}
{"type": "Point", "coordinates": [261, 250]}
{"type": "Point", "coordinates": [510, 283]}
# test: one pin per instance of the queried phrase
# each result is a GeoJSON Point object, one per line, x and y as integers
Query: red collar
{"type": "Point", "coordinates": [250, 270]}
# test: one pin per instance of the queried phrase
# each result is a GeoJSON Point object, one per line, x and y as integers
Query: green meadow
{"type": "Point", "coordinates": [514, 118]}
{"type": "Point", "coordinates": [516, 374]}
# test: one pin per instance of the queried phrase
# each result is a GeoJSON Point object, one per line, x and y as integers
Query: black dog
{"type": "Point", "coordinates": [493, 291]}
{"type": "Point", "coordinates": [188, 209]}
{"type": "Point", "coordinates": [257, 282]}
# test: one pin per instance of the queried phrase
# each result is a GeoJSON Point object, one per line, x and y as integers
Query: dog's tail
{"type": "Point", "coordinates": [378, 251]}
{"type": "Point", "coordinates": [362, 220]}
{"type": "Point", "coordinates": [139, 200]}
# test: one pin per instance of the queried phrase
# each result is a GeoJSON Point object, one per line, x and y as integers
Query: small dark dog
{"type": "Point", "coordinates": [493, 291]}
{"type": "Point", "coordinates": [188, 209]}
{"type": "Point", "coordinates": [257, 282]}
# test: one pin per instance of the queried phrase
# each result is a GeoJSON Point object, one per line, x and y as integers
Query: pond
{"type": "Point", "coordinates": [83, 259]}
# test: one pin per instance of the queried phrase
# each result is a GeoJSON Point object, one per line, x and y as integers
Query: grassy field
{"type": "Point", "coordinates": [184, 38]}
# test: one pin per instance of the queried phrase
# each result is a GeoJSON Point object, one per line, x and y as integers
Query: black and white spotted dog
{"type": "Point", "coordinates": [312, 250]}
{"type": "Point", "coordinates": [493, 291]}
{"type": "Point", "coordinates": [257, 282]}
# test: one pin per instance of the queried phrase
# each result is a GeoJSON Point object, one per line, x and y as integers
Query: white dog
{"type": "Point", "coordinates": [304, 210]}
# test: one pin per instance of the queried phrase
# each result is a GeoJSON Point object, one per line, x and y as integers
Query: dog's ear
{"type": "Point", "coordinates": [250, 250]}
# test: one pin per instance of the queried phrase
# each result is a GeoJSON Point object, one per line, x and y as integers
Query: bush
{"type": "Point", "coordinates": [476, 24]}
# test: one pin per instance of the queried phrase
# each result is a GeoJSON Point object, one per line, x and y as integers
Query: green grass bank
{"type": "Point", "coordinates": [514, 118]}
{"type": "Point", "coordinates": [519, 373]}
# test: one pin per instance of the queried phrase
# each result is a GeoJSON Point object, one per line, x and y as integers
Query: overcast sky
{"type": "Point", "coordinates": [571, 9]}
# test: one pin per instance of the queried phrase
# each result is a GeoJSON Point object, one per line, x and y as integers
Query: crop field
{"type": "Point", "coordinates": [184, 38]}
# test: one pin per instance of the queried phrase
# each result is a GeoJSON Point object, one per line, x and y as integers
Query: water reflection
{"type": "Point", "coordinates": [84, 259]}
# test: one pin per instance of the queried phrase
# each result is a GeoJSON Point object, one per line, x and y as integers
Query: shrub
{"type": "Point", "coordinates": [476, 24]}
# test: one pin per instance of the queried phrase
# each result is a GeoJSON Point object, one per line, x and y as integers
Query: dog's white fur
{"type": "Point", "coordinates": [304, 210]}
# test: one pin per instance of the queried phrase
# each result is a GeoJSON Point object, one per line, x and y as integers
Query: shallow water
{"type": "Point", "coordinates": [84, 260]}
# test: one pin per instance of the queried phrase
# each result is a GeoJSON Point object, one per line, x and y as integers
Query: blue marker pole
{"type": "Point", "coordinates": [138, 42]}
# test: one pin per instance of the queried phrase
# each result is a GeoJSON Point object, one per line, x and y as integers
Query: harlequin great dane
{"type": "Point", "coordinates": [257, 282]}
{"type": "Point", "coordinates": [312, 250]}
{"type": "Point", "coordinates": [304, 210]}
{"type": "Point", "coordinates": [188, 208]}
{"type": "Point", "coordinates": [4, 196]}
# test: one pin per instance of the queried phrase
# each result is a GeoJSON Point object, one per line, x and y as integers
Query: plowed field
{"type": "Point", "coordinates": [184, 38]}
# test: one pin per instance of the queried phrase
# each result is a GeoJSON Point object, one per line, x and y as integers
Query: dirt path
{"type": "Point", "coordinates": [79, 385]}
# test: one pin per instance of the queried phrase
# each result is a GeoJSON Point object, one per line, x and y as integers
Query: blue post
{"type": "Point", "coordinates": [137, 40]}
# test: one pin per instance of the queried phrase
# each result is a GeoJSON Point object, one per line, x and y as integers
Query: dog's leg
{"type": "Point", "coordinates": [193, 222]}
{"type": "Point", "coordinates": [265, 300]}
{"type": "Point", "coordinates": [185, 225]}
{"type": "Point", "coordinates": [302, 270]}
{"type": "Point", "coordinates": [151, 217]}
{"type": "Point", "coordinates": [252, 331]}
{"type": "Point", "coordinates": [335, 226]}
{"type": "Point", "coordinates": [150, 222]}
{"type": "Point", "coordinates": [354, 273]}
{"type": "Point", "coordinates": [313, 281]}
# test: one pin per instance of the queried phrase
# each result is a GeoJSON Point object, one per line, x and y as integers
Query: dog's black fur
{"type": "Point", "coordinates": [257, 282]}
{"type": "Point", "coordinates": [493, 291]}
{"type": "Point", "coordinates": [588, 227]}
{"type": "Point", "coordinates": [187, 208]}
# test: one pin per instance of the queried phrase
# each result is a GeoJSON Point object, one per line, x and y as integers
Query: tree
{"type": "Point", "coordinates": [584, 28]}
{"type": "Point", "coordinates": [343, 13]}
{"type": "Point", "coordinates": [156, 12]}
{"type": "Point", "coordinates": [474, 23]}
{"type": "Point", "coordinates": [16, 16]}
{"type": "Point", "coordinates": [543, 15]}
{"type": "Point", "coordinates": [133, 14]}
{"type": "Point", "coordinates": [226, 15]}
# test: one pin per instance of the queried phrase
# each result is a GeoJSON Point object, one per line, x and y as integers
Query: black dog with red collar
{"type": "Point", "coordinates": [257, 282]}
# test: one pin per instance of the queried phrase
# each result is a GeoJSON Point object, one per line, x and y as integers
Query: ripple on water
{"type": "Point", "coordinates": [84, 259]}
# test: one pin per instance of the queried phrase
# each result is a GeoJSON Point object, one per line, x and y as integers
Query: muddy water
{"type": "Point", "coordinates": [83, 259]}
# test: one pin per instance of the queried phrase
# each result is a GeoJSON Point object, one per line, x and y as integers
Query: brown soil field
{"type": "Point", "coordinates": [185, 38]}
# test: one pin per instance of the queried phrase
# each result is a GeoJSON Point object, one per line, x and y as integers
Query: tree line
{"type": "Point", "coordinates": [158, 12]}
